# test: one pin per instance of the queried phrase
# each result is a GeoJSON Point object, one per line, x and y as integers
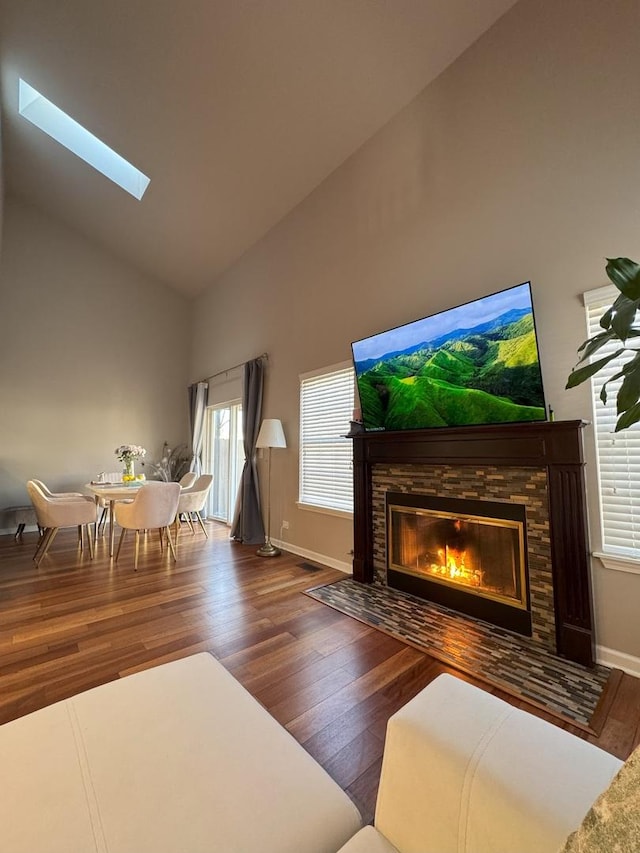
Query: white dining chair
{"type": "Point", "coordinates": [113, 477]}
{"type": "Point", "coordinates": [154, 506]}
{"type": "Point", "coordinates": [187, 480]}
{"type": "Point", "coordinates": [192, 503]}
{"type": "Point", "coordinates": [56, 495]}
{"type": "Point", "coordinates": [56, 512]}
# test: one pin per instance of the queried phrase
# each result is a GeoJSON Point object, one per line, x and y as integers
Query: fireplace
{"type": "Point", "coordinates": [538, 466]}
{"type": "Point", "coordinates": [469, 555]}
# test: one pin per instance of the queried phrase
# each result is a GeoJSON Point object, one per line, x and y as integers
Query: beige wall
{"type": "Point", "coordinates": [520, 162]}
{"type": "Point", "coordinates": [92, 355]}
{"type": "Point", "coordinates": [1, 185]}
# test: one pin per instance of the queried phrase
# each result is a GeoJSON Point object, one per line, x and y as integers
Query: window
{"type": "Point", "coordinates": [618, 453]}
{"type": "Point", "coordinates": [55, 123]}
{"type": "Point", "coordinates": [224, 458]}
{"type": "Point", "coordinates": [326, 456]}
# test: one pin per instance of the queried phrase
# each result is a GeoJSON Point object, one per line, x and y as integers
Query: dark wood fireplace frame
{"type": "Point", "coordinates": [556, 446]}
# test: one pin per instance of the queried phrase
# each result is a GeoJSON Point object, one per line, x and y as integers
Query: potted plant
{"type": "Point", "coordinates": [173, 464]}
{"type": "Point", "coordinates": [618, 323]}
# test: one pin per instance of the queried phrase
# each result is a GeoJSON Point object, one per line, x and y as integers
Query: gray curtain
{"type": "Point", "coordinates": [247, 520]}
{"type": "Point", "coordinates": [198, 396]}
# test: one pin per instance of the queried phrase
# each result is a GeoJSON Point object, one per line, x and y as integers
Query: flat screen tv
{"type": "Point", "coordinates": [474, 364]}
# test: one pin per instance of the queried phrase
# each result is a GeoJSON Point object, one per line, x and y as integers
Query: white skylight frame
{"type": "Point", "coordinates": [55, 123]}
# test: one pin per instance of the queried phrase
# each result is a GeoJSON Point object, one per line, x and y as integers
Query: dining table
{"type": "Point", "coordinates": [113, 492]}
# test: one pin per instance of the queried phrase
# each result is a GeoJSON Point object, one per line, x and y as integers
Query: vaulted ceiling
{"type": "Point", "coordinates": [236, 109]}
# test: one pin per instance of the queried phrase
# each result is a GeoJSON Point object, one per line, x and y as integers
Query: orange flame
{"type": "Point", "coordinates": [453, 566]}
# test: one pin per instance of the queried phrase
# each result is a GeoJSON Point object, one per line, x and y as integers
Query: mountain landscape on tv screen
{"type": "Point", "coordinates": [482, 375]}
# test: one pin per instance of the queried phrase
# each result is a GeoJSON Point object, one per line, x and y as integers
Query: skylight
{"type": "Point", "coordinates": [57, 124]}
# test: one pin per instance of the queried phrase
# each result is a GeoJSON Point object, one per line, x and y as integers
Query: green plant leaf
{"type": "Point", "coordinates": [579, 374]}
{"type": "Point", "coordinates": [624, 313]}
{"type": "Point", "coordinates": [630, 366]}
{"type": "Point", "coordinates": [631, 416]}
{"type": "Point", "coordinates": [625, 274]}
{"type": "Point", "coordinates": [617, 376]}
{"type": "Point", "coordinates": [617, 323]}
{"type": "Point", "coordinates": [619, 317]}
{"type": "Point", "coordinates": [605, 320]}
{"type": "Point", "coordinates": [629, 392]}
{"type": "Point", "coordinates": [603, 390]}
{"type": "Point", "coordinates": [592, 345]}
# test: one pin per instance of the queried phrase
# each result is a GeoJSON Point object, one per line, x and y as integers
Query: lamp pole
{"type": "Point", "coordinates": [268, 549]}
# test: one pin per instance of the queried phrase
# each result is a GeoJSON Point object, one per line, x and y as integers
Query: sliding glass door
{"type": "Point", "coordinates": [224, 458]}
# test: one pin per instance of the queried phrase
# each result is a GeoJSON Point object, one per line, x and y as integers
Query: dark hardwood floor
{"type": "Point", "coordinates": [333, 682]}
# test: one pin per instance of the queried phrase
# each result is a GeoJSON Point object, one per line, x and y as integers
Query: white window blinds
{"type": "Point", "coordinates": [326, 456]}
{"type": "Point", "coordinates": [618, 453]}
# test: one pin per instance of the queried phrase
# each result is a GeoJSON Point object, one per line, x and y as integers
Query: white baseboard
{"type": "Point", "coordinates": [618, 660]}
{"type": "Point", "coordinates": [347, 568]}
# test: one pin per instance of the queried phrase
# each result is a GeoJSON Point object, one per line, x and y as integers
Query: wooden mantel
{"type": "Point", "coordinates": [555, 446]}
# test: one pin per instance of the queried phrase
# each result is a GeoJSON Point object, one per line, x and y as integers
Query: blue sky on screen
{"type": "Point", "coordinates": [463, 317]}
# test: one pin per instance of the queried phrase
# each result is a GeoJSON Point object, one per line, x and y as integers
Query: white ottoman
{"type": "Point", "coordinates": [465, 772]}
{"type": "Point", "coordinates": [175, 759]}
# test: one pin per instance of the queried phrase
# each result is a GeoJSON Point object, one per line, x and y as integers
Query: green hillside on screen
{"type": "Point", "coordinates": [481, 378]}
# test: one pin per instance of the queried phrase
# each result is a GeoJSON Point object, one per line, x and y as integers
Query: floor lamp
{"type": "Point", "coordinates": [270, 435]}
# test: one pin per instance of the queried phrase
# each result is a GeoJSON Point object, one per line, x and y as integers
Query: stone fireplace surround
{"type": "Point", "coordinates": [538, 465]}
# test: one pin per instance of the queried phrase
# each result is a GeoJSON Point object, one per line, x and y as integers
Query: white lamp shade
{"type": "Point", "coordinates": [271, 434]}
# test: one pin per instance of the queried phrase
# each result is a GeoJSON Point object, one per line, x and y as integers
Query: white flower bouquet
{"type": "Point", "coordinates": [129, 451]}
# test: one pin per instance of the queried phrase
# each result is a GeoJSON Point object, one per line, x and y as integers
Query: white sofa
{"type": "Point", "coordinates": [181, 759]}
{"type": "Point", "coordinates": [465, 772]}
{"type": "Point", "coordinates": [175, 759]}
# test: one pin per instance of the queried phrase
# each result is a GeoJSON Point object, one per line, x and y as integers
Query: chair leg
{"type": "Point", "coordinates": [173, 551]}
{"type": "Point", "coordinates": [90, 538]}
{"type": "Point", "coordinates": [190, 523]}
{"type": "Point", "coordinates": [81, 537]}
{"type": "Point", "coordinates": [161, 534]}
{"type": "Point", "coordinates": [135, 559]}
{"type": "Point", "coordinates": [120, 541]}
{"type": "Point", "coordinates": [50, 538]}
{"type": "Point", "coordinates": [176, 532]}
{"type": "Point", "coordinates": [41, 541]}
{"type": "Point", "coordinates": [103, 520]}
{"type": "Point", "coordinates": [199, 518]}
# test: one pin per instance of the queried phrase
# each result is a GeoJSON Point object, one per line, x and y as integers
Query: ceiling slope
{"type": "Point", "coordinates": [236, 109]}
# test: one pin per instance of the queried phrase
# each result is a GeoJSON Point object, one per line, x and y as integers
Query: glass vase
{"type": "Point", "coordinates": [128, 473]}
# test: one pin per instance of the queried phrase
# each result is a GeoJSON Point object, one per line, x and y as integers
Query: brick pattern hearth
{"type": "Point", "coordinates": [527, 486]}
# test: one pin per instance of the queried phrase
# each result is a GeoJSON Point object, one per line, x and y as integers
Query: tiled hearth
{"type": "Point", "coordinates": [512, 663]}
